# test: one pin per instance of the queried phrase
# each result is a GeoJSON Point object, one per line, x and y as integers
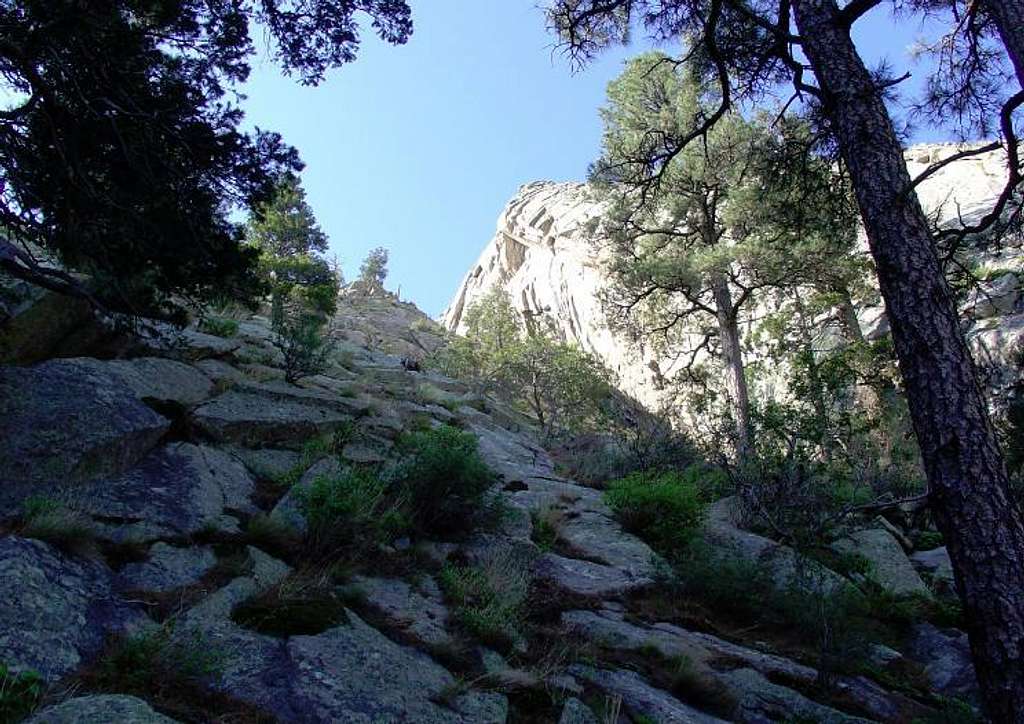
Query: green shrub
{"type": "Point", "coordinates": [36, 505]}
{"type": "Point", "coordinates": [836, 626]}
{"type": "Point", "coordinates": [219, 326]}
{"type": "Point", "coordinates": [444, 480]}
{"type": "Point", "coordinates": [51, 521]}
{"type": "Point", "coordinates": [156, 658]}
{"type": "Point", "coordinates": [351, 508]}
{"type": "Point", "coordinates": [305, 349]}
{"type": "Point", "coordinates": [927, 540]}
{"type": "Point", "coordinates": [20, 693]}
{"type": "Point", "coordinates": [664, 509]}
{"type": "Point", "coordinates": [546, 523]}
{"type": "Point", "coordinates": [489, 601]}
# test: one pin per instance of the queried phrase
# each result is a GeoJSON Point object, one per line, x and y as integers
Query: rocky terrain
{"type": "Point", "coordinates": [550, 263]}
{"type": "Point", "coordinates": [168, 466]}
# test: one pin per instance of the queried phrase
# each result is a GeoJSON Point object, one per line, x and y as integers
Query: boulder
{"type": "Point", "coordinates": [178, 490]}
{"type": "Point", "coordinates": [575, 711]}
{"type": "Point", "coordinates": [34, 322]}
{"type": "Point", "coordinates": [215, 610]}
{"type": "Point", "coordinates": [156, 379]}
{"type": "Point", "coordinates": [587, 527]}
{"type": "Point", "coordinates": [281, 391]}
{"type": "Point", "coordinates": [946, 657]}
{"type": "Point", "coordinates": [640, 698]}
{"type": "Point", "coordinates": [352, 673]}
{"type": "Point", "coordinates": [787, 568]}
{"type": "Point", "coordinates": [417, 612]}
{"type": "Point", "coordinates": [220, 372]}
{"type": "Point", "coordinates": [186, 344]}
{"type": "Point", "coordinates": [938, 568]}
{"type": "Point", "coordinates": [255, 420]}
{"type": "Point", "coordinates": [266, 462]}
{"type": "Point", "coordinates": [610, 630]}
{"type": "Point", "coordinates": [587, 579]}
{"type": "Point", "coordinates": [890, 567]}
{"type": "Point", "coordinates": [101, 708]}
{"type": "Point", "coordinates": [63, 421]}
{"type": "Point", "coordinates": [997, 297]}
{"type": "Point", "coordinates": [288, 510]}
{"type": "Point", "coordinates": [55, 611]}
{"type": "Point", "coordinates": [763, 701]}
{"type": "Point", "coordinates": [168, 568]}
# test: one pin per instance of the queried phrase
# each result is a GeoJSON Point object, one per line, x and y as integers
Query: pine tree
{"type": "Point", "coordinates": [122, 155]}
{"type": "Point", "coordinates": [744, 48]}
{"type": "Point", "coordinates": [285, 226]}
{"type": "Point", "coordinates": [374, 270]}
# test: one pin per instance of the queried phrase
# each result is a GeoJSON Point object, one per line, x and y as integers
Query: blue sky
{"type": "Point", "coordinates": [418, 147]}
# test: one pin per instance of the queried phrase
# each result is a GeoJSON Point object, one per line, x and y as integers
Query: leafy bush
{"type": "Point", "coordinates": [20, 693]}
{"type": "Point", "coordinates": [836, 626]}
{"type": "Point", "coordinates": [351, 508]}
{"type": "Point", "coordinates": [305, 349]}
{"type": "Point", "coordinates": [443, 479]}
{"type": "Point", "coordinates": [665, 509]}
{"type": "Point", "coordinates": [219, 326]}
{"type": "Point", "coordinates": [156, 658]}
{"type": "Point", "coordinates": [525, 362]}
{"type": "Point", "coordinates": [547, 523]}
{"type": "Point", "coordinates": [489, 601]}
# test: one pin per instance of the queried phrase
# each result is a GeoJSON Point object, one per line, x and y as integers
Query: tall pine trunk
{"type": "Point", "coordinates": [732, 356]}
{"type": "Point", "coordinates": [968, 486]}
{"type": "Point", "coordinates": [1008, 16]}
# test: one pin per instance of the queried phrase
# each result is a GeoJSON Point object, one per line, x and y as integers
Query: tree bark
{"type": "Point", "coordinates": [968, 486]}
{"type": "Point", "coordinates": [848, 318]}
{"type": "Point", "coordinates": [1008, 16]}
{"type": "Point", "coordinates": [732, 356]}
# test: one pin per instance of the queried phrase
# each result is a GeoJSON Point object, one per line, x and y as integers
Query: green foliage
{"type": "Point", "coordinates": [374, 270]}
{"type": "Point", "coordinates": [835, 626]}
{"type": "Point", "coordinates": [305, 349]}
{"type": "Point", "coordinates": [352, 508]}
{"type": "Point", "coordinates": [151, 660]}
{"type": "Point", "coordinates": [525, 363]}
{"type": "Point", "coordinates": [35, 505]}
{"type": "Point", "coordinates": [20, 693]}
{"type": "Point", "coordinates": [927, 540]}
{"type": "Point", "coordinates": [444, 481]}
{"type": "Point", "coordinates": [219, 326]}
{"type": "Point", "coordinates": [65, 528]}
{"type": "Point", "coordinates": [131, 168]}
{"type": "Point", "coordinates": [285, 227]}
{"type": "Point", "coordinates": [665, 509]}
{"type": "Point", "coordinates": [303, 287]}
{"type": "Point", "coordinates": [489, 601]}
{"type": "Point", "coordinates": [546, 524]}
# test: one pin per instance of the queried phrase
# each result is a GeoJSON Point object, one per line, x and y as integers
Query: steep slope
{"type": "Point", "coordinates": [543, 255]}
{"type": "Point", "coordinates": [155, 559]}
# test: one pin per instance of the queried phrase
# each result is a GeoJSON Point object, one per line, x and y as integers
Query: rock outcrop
{"type": "Point", "coordinates": [549, 261]}
{"type": "Point", "coordinates": [196, 567]}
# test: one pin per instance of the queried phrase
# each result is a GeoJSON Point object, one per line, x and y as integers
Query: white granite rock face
{"type": "Point", "coordinates": [547, 259]}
